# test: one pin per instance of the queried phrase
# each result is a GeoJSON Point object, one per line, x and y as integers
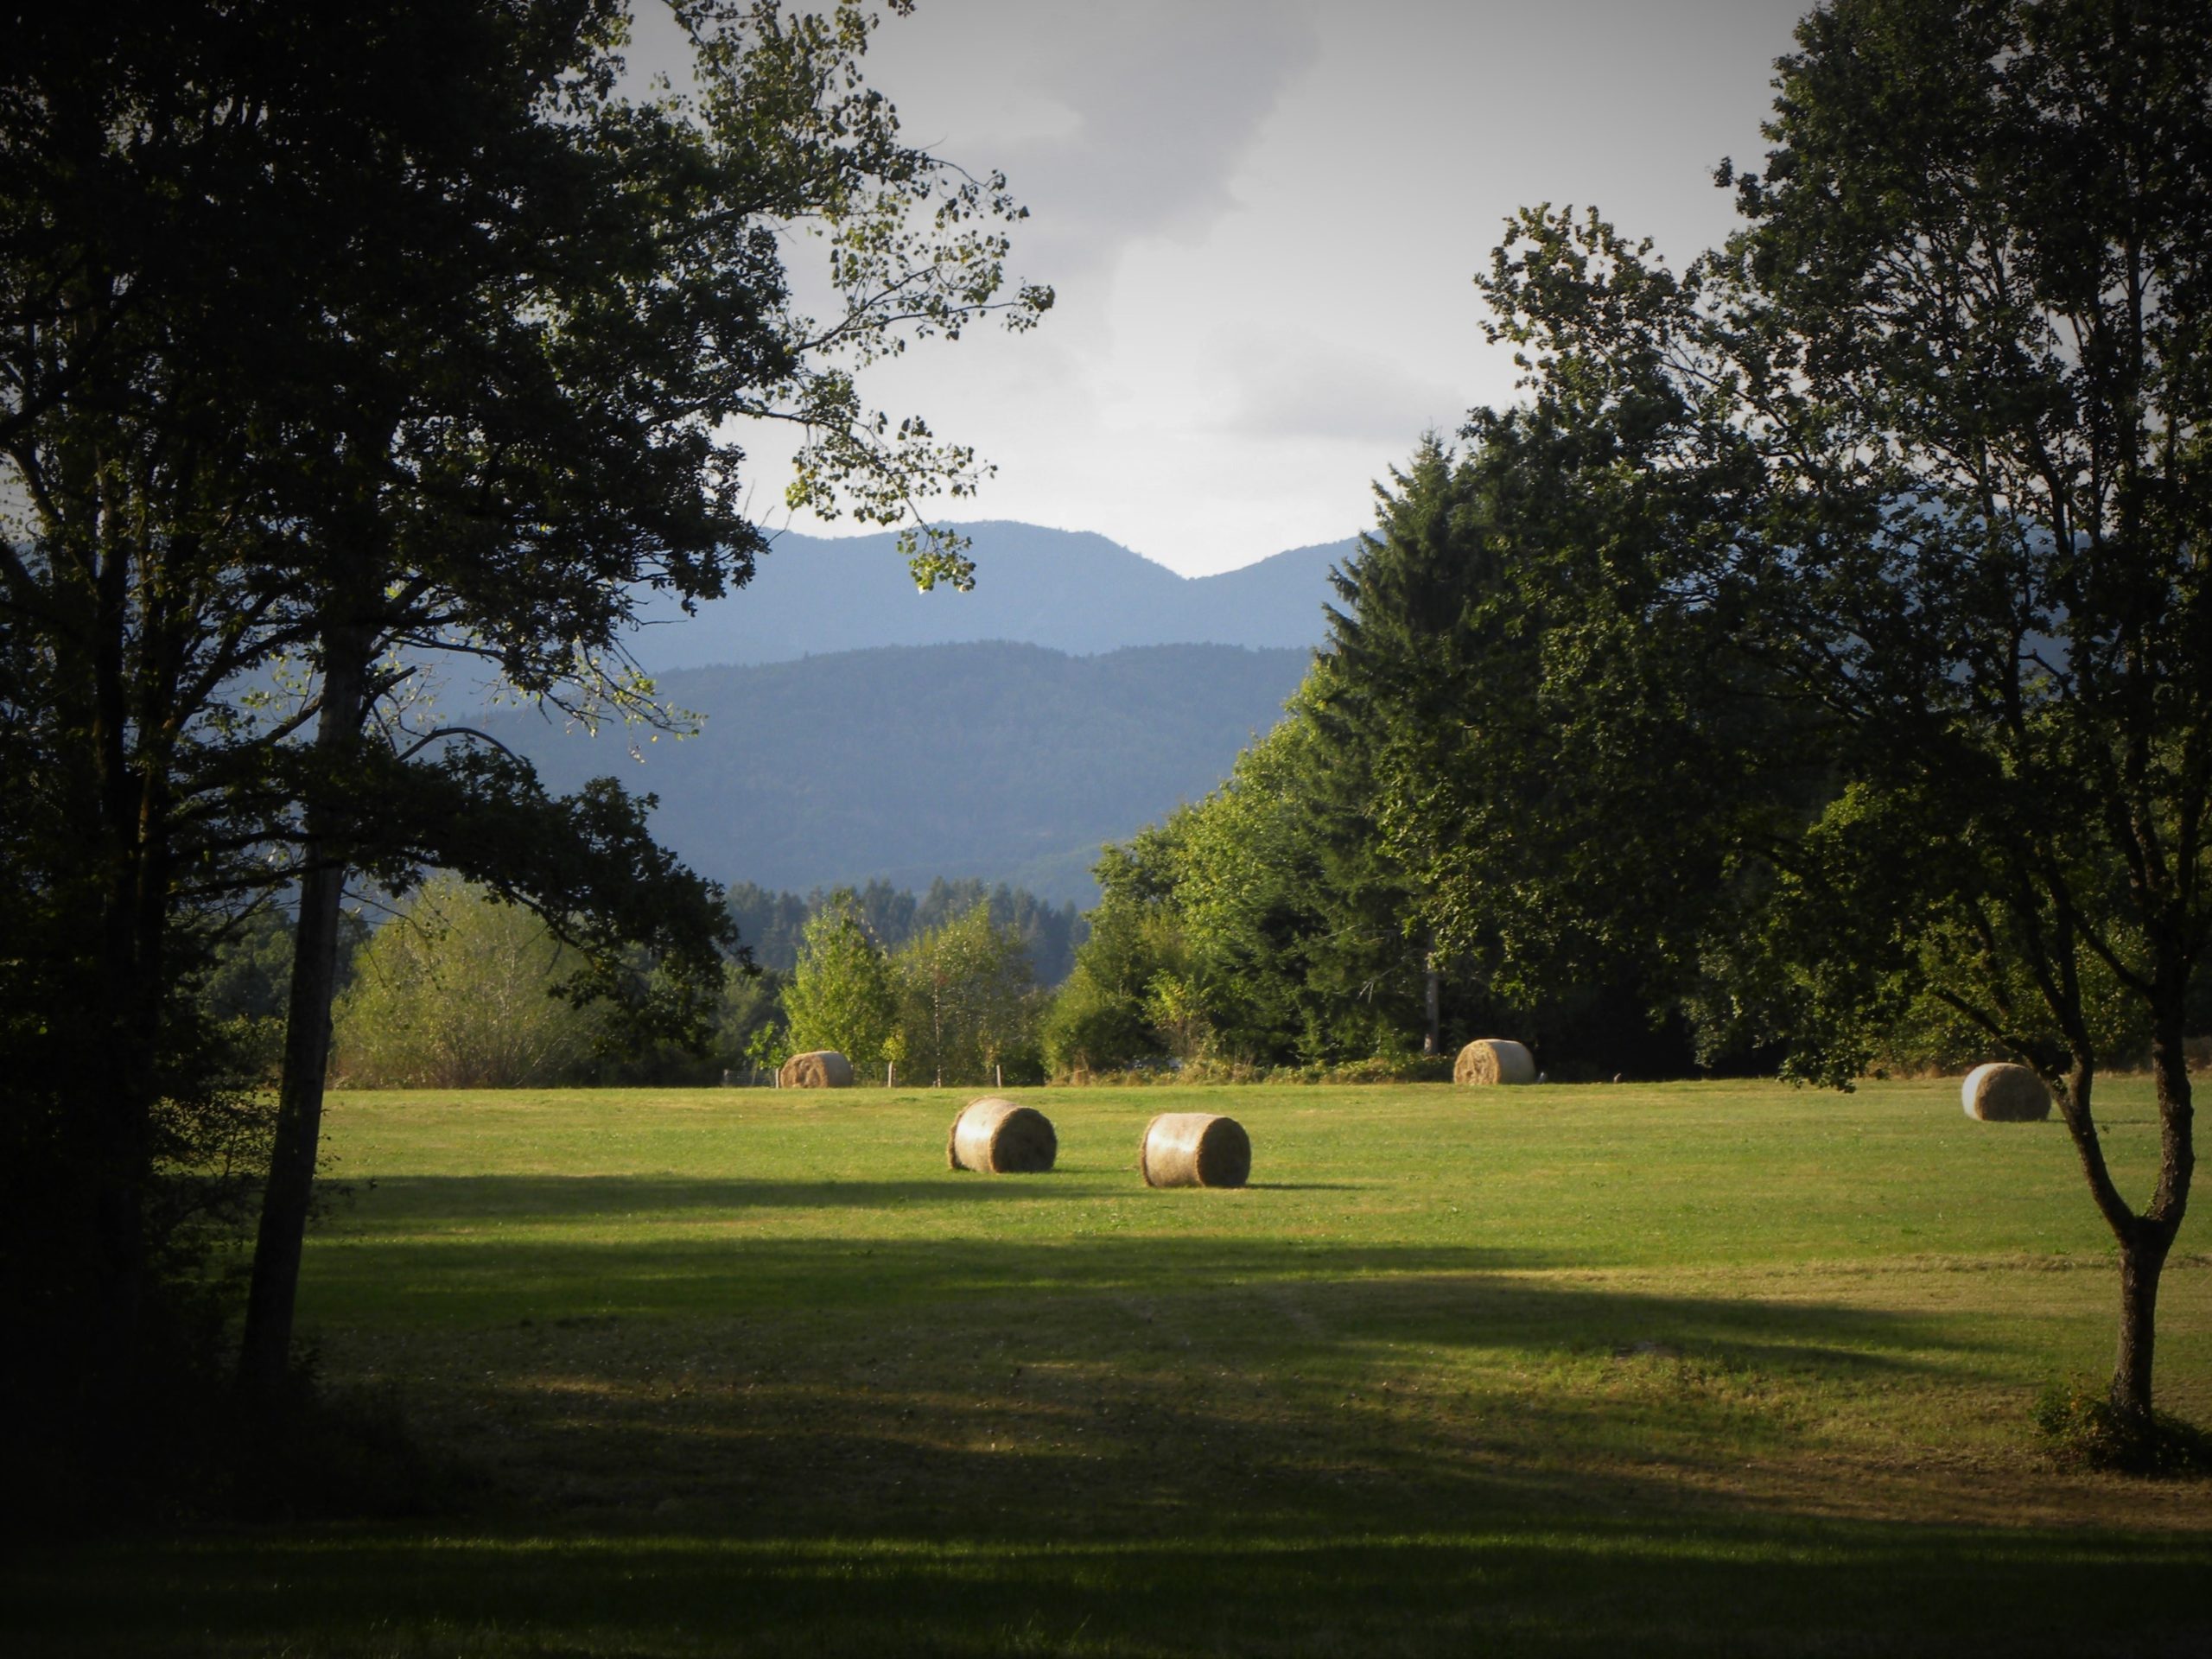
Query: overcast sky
{"type": "Point", "coordinates": [1263, 218]}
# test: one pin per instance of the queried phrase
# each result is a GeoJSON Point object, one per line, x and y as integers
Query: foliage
{"type": "Point", "coordinates": [1303, 940]}
{"type": "Point", "coordinates": [457, 991]}
{"type": "Point", "coordinates": [1996, 577]}
{"type": "Point", "coordinates": [769, 926]}
{"type": "Point", "coordinates": [772, 925]}
{"type": "Point", "coordinates": [1098, 1021]}
{"type": "Point", "coordinates": [1951, 375]}
{"type": "Point", "coordinates": [335, 343]}
{"type": "Point", "coordinates": [1444, 799]}
{"type": "Point", "coordinates": [843, 994]}
{"type": "Point", "coordinates": [251, 966]}
{"type": "Point", "coordinates": [965, 1011]}
{"type": "Point", "coordinates": [1557, 754]}
{"type": "Point", "coordinates": [2085, 1430]}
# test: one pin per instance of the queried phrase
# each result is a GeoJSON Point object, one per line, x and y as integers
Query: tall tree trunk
{"type": "Point", "coordinates": [131, 826]}
{"type": "Point", "coordinates": [117, 1157]}
{"type": "Point", "coordinates": [266, 1349]}
{"type": "Point", "coordinates": [1432, 1040]}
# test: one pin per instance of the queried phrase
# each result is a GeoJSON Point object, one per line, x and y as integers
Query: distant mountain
{"type": "Point", "coordinates": [999, 761]}
{"type": "Point", "coordinates": [1075, 593]}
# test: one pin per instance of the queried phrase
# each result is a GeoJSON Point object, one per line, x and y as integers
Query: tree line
{"type": "Point", "coordinates": [773, 924]}
{"type": "Point", "coordinates": [457, 989]}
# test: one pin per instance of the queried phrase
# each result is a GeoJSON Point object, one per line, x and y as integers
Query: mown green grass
{"type": "Point", "coordinates": [1702, 1368]}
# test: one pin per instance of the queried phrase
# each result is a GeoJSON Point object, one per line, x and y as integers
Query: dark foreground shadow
{"type": "Point", "coordinates": [1003, 1440]}
{"type": "Point", "coordinates": [1774, 1589]}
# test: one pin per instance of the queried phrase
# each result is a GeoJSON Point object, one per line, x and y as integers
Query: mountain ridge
{"type": "Point", "coordinates": [1072, 591]}
{"type": "Point", "coordinates": [1000, 761]}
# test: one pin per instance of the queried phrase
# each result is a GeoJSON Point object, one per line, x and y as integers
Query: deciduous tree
{"type": "Point", "coordinates": [338, 340]}
{"type": "Point", "coordinates": [1963, 334]}
{"type": "Point", "coordinates": [842, 995]}
{"type": "Point", "coordinates": [456, 991]}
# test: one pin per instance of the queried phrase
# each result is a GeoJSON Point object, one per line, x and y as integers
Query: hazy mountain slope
{"type": "Point", "coordinates": [1075, 593]}
{"type": "Point", "coordinates": [1275, 602]}
{"type": "Point", "coordinates": [1002, 761]}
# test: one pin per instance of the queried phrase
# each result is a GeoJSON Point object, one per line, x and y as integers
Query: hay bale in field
{"type": "Point", "coordinates": [1494, 1059]}
{"type": "Point", "coordinates": [998, 1137]}
{"type": "Point", "coordinates": [2000, 1093]}
{"type": "Point", "coordinates": [1194, 1149]}
{"type": "Point", "coordinates": [822, 1068]}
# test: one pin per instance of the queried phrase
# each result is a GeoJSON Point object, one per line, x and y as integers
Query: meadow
{"type": "Point", "coordinates": [1683, 1369]}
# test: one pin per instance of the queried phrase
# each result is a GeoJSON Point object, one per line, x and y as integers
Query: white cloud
{"type": "Point", "coordinates": [1263, 218]}
{"type": "Point", "coordinates": [1290, 384]}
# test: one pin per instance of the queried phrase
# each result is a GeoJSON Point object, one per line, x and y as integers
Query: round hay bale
{"type": "Point", "coordinates": [2002, 1093]}
{"type": "Point", "coordinates": [1494, 1059]}
{"type": "Point", "coordinates": [999, 1137]}
{"type": "Point", "coordinates": [1194, 1149]}
{"type": "Point", "coordinates": [822, 1068]}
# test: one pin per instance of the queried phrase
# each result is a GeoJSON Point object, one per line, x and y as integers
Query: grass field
{"type": "Point", "coordinates": [1691, 1369]}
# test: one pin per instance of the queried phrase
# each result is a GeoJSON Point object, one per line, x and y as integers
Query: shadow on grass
{"type": "Point", "coordinates": [587, 1197]}
{"type": "Point", "coordinates": [1079, 1441]}
{"type": "Point", "coordinates": [517, 1275]}
{"type": "Point", "coordinates": [1041, 1433]}
{"type": "Point", "coordinates": [1359, 1401]}
{"type": "Point", "coordinates": [806, 1389]}
{"type": "Point", "coordinates": [1601, 1589]}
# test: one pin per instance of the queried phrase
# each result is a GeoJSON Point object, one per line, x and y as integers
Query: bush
{"type": "Point", "coordinates": [456, 992]}
{"type": "Point", "coordinates": [2084, 1430]}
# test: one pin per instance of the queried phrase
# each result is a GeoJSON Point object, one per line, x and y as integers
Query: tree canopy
{"type": "Point", "coordinates": [1952, 373]}
{"type": "Point", "coordinates": [334, 344]}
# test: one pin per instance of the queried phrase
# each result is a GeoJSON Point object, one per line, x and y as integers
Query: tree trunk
{"type": "Point", "coordinates": [1432, 1041]}
{"type": "Point", "coordinates": [2145, 1245]}
{"type": "Point", "coordinates": [120, 1154]}
{"type": "Point", "coordinates": [2142, 1259]}
{"type": "Point", "coordinates": [265, 1348]}
{"type": "Point", "coordinates": [132, 828]}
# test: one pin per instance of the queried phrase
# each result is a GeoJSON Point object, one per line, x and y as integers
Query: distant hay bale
{"type": "Point", "coordinates": [2000, 1093]}
{"type": "Point", "coordinates": [998, 1137]}
{"type": "Point", "coordinates": [1494, 1059]}
{"type": "Point", "coordinates": [1194, 1149]}
{"type": "Point", "coordinates": [824, 1068]}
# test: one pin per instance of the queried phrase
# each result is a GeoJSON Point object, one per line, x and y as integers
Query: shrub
{"type": "Point", "coordinates": [2084, 1430]}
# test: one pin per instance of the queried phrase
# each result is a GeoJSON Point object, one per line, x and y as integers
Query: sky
{"type": "Point", "coordinates": [1262, 219]}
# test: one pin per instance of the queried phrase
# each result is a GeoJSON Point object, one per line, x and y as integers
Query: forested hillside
{"type": "Point", "coordinates": [1074, 592]}
{"type": "Point", "coordinates": [1003, 763]}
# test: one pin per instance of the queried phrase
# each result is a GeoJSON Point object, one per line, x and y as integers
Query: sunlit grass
{"type": "Point", "coordinates": [1681, 1369]}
